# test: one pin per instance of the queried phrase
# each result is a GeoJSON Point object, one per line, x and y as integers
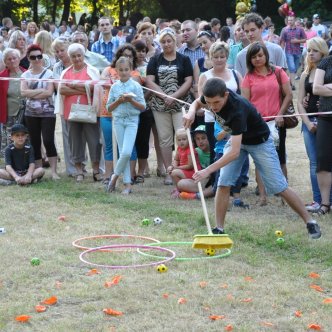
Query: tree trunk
{"type": "Point", "coordinates": [54, 9]}
{"type": "Point", "coordinates": [35, 11]}
{"type": "Point", "coordinates": [66, 10]}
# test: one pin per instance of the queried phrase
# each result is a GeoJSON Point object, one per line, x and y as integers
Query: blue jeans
{"type": "Point", "coordinates": [106, 127]}
{"type": "Point", "coordinates": [293, 62]}
{"type": "Point", "coordinates": [310, 146]}
{"type": "Point", "coordinates": [125, 131]}
{"type": "Point", "coordinates": [266, 161]}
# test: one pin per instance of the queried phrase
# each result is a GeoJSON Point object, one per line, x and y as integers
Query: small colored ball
{"type": "Point", "coordinates": [35, 261]}
{"type": "Point", "coordinates": [280, 241]}
{"type": "Point", "coordinates": [162, 268]}
{"type": "Point", "coordinates": [157, 221]}
{"type": "Point", "coordinates": [146, 222]}
{"type": "Point", "coordinates": [210, 252]}
{"type": "Point", "coordinates": [279, 233]}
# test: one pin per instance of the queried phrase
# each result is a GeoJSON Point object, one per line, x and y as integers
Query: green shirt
{"type": "Point", "coordinates": [204, 157]}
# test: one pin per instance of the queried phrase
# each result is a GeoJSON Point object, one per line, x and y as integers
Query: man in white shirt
{"type": "Point", "coordinates": [318, 27]}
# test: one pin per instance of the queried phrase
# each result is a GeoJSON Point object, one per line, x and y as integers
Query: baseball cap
{"type": "Point", "coordinates": [316, 16]}
{"type": "Point", "coordinates": [199, 129]}
{"type": "Point", "coordinates": [19, 128]}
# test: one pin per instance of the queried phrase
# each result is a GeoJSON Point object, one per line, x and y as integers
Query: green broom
{"type": "Point", "coordinates": [210, 240]}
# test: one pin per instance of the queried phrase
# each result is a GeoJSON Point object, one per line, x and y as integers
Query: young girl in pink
{"type": "Point", "coordinates": [182, 166]}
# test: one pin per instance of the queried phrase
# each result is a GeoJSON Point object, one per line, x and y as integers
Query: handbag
{"type": "Point", "coordinates": [291, 120]}
{"type": "Point", "coordinates": [83, 113]}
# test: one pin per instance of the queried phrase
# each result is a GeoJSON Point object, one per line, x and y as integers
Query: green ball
{"type": "Point", "coordinates": [146, 222]}
{"type": "Point", "coordinates": [35, 261]}
{"type": "Point", "coordinates": [280, 241]}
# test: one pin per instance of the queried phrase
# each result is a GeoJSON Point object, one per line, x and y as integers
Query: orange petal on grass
{"type": "Point", "coordinates": [207, 308]}
{"type": "Point", "coordinates": [223, 286]}
{"type": "Point", "coordinates": [228, 327]}
{"type": "Point", "coordinates": [182, 300]}
{"type": "Point", "coordinates": [246, 300]}
{"type": "Point", "coordinates": [328, 300]}
{"type": "Point", "coordinates": [314, 275]}
{"type": "Point", "coordinates": [248, 278]}
{"type": "Point", "coordinates": [202, 284]}
{"type": "Point", "coordinates": [40, 308]}
{"type": "Point", "coordinates": [216, 317]}
{"type": "Point", "coordinates": [315, 327]}
{"type": "Point", "coordinates": [92, 272]}
{"type": "Point", "coordinates": [115, 280]}
{"type": "Point", "coordinates": [62, 218]}
{"type": "Point", "coordinates": [112, 312]}
{"type": "Point", "coordinates": [230, 297]}
{"type": "Point", "coordinates": [165, 296]}
{"type": "Point", "coordinates": [50, 301]}
{"type": "Point", "coordinates": [269, 324]}
{"type": "Point", "coordinates": [298, 313]}
{"type": "Point", "coordinates": [317, 288]}
{"type": "Point", "coordinates": [22, 318]}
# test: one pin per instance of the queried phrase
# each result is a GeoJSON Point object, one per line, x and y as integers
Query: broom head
{"type": "Point", "coordinates": [214, 241]}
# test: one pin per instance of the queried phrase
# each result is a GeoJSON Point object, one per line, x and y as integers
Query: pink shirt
{"type": "Point", "coordinates": [69, 100]}
{"type": "Point", "coordinates": [264, 92]}
{"type": "Point", "coordinates": [310, 34]}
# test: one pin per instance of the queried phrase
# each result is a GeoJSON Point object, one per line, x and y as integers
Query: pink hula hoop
{"type": "Point", "coordinates": [111, 236]}
{"type": "Point", "coordinates": [127, 246]}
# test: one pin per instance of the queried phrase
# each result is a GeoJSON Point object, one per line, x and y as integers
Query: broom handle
{"type": "Point", "coordinates": [206, 216]}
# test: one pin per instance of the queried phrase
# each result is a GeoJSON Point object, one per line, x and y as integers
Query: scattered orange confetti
{"type": "Point", "coordinates": [182, 300]}
{"type": "Point", "coordinates": [40, 308]}
{"type": "Point", "coordinates": [22, 318]}
{"type": "Point", "coordinates": [62, 218]}
{"type": "Point", "coordinates": [112, 312]}
{"type": "Point", "coordinates": [246, 300]}
{"type": "Point", "coordinates": [267, 324]}
{"type": "Point", "coordinates": [114, 281]}
{"type": "Point", "coordinates": [216, 317]}
{"type": "Point", "coordinates": [93, 271]}
{"type": "Point", "coordinates": [328, 300]}
{"type": "Point", "coordinates": [315, 327]}
{"type": "Point", "coordinates": [224, 286]}
{"type": "Point", "coordinates": [203, 284]}
{"type": "Point", "coordinates": [248, 278]}
{"type": "Point", "coordinates": [314, 275]}
{"type": "Point", "coordinates": [317, 288]}
{"type": "Point", "coordinates": [50, 301]}
{"type": "Point", "coordinates": [165, 296]}
{"type": "Point", "coordinates": [228, 327]}
{"type": "Point", "coordinates": [298, 313]}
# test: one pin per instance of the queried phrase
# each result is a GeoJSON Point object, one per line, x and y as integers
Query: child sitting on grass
{"type": "Point", "coordinates": [182, 166]}
{"type": "Point", "coordinates": [187, 187]}
{"type": "Point", "coordinates": [19, 159]}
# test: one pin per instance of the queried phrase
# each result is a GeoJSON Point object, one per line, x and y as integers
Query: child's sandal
{"type": "Point", "coordinates": [320, 211]}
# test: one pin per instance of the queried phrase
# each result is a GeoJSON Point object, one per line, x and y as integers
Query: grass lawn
{"type": "Point", "coordinates": [259, 287]}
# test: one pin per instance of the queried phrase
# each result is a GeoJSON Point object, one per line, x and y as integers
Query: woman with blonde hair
{"type": "Point", "coordinates": [44, 40]}
{"type": "Point", "coordinates": [18, 40]}
{"type": "Point", "coordinates": [146, 32]}
{"type": "Point", "coordinates": [32, 30]}
{"type": "Point", "coordinates": [316, 50]}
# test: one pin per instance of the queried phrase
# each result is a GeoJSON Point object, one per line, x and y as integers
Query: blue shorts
{"type": "Point", "coordinates": [266, 161]}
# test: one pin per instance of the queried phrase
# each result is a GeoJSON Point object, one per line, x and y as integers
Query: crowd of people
{"type": "Point", "coordinates": [134, 82]}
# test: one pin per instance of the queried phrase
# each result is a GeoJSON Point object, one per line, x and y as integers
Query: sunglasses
{"type": "Point", "coordinates": [36, 57]}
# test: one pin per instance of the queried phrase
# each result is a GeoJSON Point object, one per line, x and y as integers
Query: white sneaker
{"type": "Point", "coordinates": [312, 206]}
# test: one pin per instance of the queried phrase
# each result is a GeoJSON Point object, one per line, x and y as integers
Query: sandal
{"type": "Point", "coordinates": [139, 179]}
{"type": "Point", "coordinates": [106, 181]}
{"type": "Point", "coordinates": [320, 211]}
{"type": "Point", "coordinates": [79, 177]}
{"type": "Point", "coordinates": [110, 187]}
{"type": "Point", "coordinates": [97, 177]}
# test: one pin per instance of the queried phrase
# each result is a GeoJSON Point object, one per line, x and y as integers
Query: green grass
{"type": "Point", "coordinates": [280, 283]}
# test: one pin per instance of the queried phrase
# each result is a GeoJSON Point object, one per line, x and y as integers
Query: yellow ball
{"type": "Point", "coordinates": [210, 252]}
{"type": "Point", "coordinates": [279, 233]}
{"type": "Point", "coordinates": [162, 268]}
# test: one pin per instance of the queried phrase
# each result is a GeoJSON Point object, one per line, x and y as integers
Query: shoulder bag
{"type": "Point", "coordinates": [291, 120]}
{"type": "Point", "coordinates": [83, 113]}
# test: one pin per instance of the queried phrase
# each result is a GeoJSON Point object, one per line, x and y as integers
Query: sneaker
{"type": "Point", "coordinates": [293, 87]}
{"type": "Point", "coordinates": [185, 195]}
{"type": "Point", "coordinates": [239, 203]}
{"type": "Point", "coordinates": [297, 78]}
{"type": "Point", "coordinates": [217, 230]}
{"type": "Point", "coordinates": [4, 182]}
{"type": "Point", "coordinates": [311, 207]}
{"type": "Point", "coordinates": [313, 230]}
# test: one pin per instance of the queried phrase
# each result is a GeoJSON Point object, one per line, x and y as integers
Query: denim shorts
{"type": "Point", "coordinates": [266, 161]}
